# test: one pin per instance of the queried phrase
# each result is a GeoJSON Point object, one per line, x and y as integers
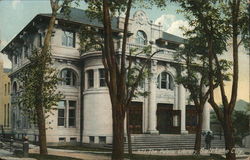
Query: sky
{"type": "Point", "coordinates": [15, 14]}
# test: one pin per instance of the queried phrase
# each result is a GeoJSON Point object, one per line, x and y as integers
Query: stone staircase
{"type": "Point", "coordinates": [168, 142]}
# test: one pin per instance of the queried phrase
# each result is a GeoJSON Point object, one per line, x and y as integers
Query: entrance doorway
{"type": "Point", "coordinates": [135, 117]}
{"type": "Point", "coordinates": [165, 116]}
{"type": "Point", "coordinates": [191, 118]}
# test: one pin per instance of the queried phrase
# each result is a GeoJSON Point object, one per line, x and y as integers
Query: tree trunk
{"type": "Point", "coordinates": [197, 145]}
{"type": "Point", "coordinates": [229, 137]}
{"type": "Point", "coordinates": [42, 130]}
{"type": "Point", "coordinates": [118, 133]}
{"type": "Point", "coordinates": [129, 136]}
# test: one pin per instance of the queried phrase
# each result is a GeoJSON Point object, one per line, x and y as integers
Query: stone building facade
{"type": "Point", "coordinates": [84, 115]}
{"type": "Point", "coordinates": [5, 106]}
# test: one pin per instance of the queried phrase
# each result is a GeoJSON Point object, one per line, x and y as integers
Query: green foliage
{"type": "Point", "coordinates": [134, 78]}
{"type": "Point", "coordinates": [241, 124]}
{"type": "Point", "coordinates": [195, 66]}
{"type": "Point", "coordinates": [39, 85]}
{"type": "Point", "coordinates": [90, 39]}
{"type": "Point", "coordinates": [117, 7]}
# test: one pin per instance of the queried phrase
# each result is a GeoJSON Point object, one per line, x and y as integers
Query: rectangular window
{"type": "Point", "coordinates": [72, 113]}
{"type": "Point", "coordinates": [15, 59]}
{"type": "Point", "coordinates": [91, 139]}
{"type": "Point", "coordinates": [102, 140]}
{"type": "Point", "coordinates": [90, 78]}
{"type": "Point", "coordinates": [102, 78]}
{"type": "Point", "coordinates": [9, 88]}
{"type": "Point", "coordinates": [26, 50]}
{"type": "Point", "coordinates": [5, 113]}
{"type": "Point", "coordinates": [73, 139]}
{"type": "Point", "coordinates": [68, 39]}
{"type": "Point", "coordinates": [61, 113]}
{"type": "Point", "coordinates": [5, 89]}
{"type": "Point", "coordinates": [8, 116]}
{"type": "Point", "coordinates": [62, 139]}
{"type": "Point", "coordinates": [41, 39]}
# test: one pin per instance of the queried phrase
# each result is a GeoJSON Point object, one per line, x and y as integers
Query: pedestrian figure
{"type": "Point", "coordinates": [208, 139]}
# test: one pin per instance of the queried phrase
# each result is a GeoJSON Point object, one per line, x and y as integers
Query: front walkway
{"type": "Point", "coordinates": [85, 155]}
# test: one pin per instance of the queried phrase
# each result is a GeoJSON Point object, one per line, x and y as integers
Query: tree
{"type": "Point", "coordinates": [219, 22]}
{"type": "Point", "coordinates": [115, 66]}
{"type": "Point", "coordinates": [195, 80]}
{"type": "Point", "coordinates": [40, 80]}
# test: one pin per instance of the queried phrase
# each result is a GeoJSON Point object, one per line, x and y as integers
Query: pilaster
{"type": "Point", "coordinates": [152, 106]}
{"type": "Point", "coordinates": [182, 105]}
{"type": "Point", "coordinates": [175, 107]}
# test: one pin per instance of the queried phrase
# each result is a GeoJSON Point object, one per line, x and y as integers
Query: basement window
{"type": "Point", "coordinates": [62, 139]}
{"type": "Point", "coordinates": [102, 140]}
{"type": "Point", "coordinates": [91, 139]}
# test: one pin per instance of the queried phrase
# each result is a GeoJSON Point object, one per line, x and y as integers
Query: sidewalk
{"type": "Point", "coordinates": [85, 155]}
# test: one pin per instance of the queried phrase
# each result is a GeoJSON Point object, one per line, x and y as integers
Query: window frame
{"type": "Point", "coordinates": [102, 81]}
{"type": "Point", "coordinates": [73, 117]}
{"type": "Point", "coordinates": [5, 89]}
{"type": "Point", "coordinates": [72, 78]}
{"type": "Point", "coordinates": [90, 78]}
{"type": "Point", "coordinates": [165, 81]}
{"type": "Point", "coordinates": [14, 87]}
{"type": "Point", "coordinates": [64, 108]}
{"type": "Point", "coordinates": [67, 118]}
{"type": "Point", "coordinates": [67, 37]}
{"type": "Point", "coordinates": [141, 38]}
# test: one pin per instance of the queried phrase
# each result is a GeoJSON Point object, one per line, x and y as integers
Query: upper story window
{"type": "Point", "coordinates": [68, 39]}
{"type": "Point", "coordinates": [14, 88]}
{"type": "Point", "coordinates": [102, 82]}
{"type": "Point", "coordinates": [40, 41]}
{"type": "Point", "coordinates": [165, 81]}
{"type": "Point", "coordinates": [8, 87]}
{"type": "Point", "coordinates": [90, 74]}
{"type": "Point", "coordinates": [26, 50]}
{"type": "Point", "coordinates": [5, 89]}
{"type": "Point", "coordinates": [15, 59]}
{"type": "Point", "coordinates": [141, 38]}
{"type": "Point", "coordinates": [69, 77]}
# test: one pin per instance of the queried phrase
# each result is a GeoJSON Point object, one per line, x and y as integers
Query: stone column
{"type": "Point", "coordinates": [152, 106]}
{"type": "Point", "coordinates": [206, 117]}
{"type": "Point", "coordinates": [182, 106]}
{"type": "Point", "coordinates": [175, 118]}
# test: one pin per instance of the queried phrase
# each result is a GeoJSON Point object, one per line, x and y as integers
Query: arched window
{"type": "Point", "coordinates": [165, 81]}
{"type": "Point", "coordinates": [14, 87]}
{"type": "Point", "coordinates": [141, 38]}
{"type": "Point", "coordinates": [69, 77]}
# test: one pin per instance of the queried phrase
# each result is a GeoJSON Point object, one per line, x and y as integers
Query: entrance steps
{"type": "Point", "coordinates": [168, 142]}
